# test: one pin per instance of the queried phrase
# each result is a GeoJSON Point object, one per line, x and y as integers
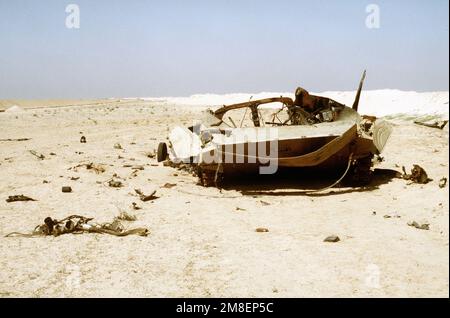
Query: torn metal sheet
{"type": "Point", "coordinates": [309, 131]}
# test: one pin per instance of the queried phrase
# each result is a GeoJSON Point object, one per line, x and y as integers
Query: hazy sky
{"type": "Point", "coordinates": [178, 48]}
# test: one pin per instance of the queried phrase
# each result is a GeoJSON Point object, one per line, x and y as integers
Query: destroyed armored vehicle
{"type": "Point", "coordinates": [309, 132]}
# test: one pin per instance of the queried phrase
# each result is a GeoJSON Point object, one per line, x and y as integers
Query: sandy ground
{"type": "Point", "coordinates": [201, 244]}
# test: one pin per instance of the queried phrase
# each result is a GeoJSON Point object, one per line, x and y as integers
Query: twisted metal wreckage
{"type": "Point", "coordinates": [77, 224]}
{"type": "Point", "coordinates": [312, 132]}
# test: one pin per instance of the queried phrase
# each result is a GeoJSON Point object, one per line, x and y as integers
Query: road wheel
{"type": "Point", "coordinates": [360, 173]}
{"type": "Point", "coordinates": [162, 152]}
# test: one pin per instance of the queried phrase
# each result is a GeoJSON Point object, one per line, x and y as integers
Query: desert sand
{"type": "Point", "coordinates": [202, 241]}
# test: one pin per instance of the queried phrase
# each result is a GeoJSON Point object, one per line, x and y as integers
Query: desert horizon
{"type": "Point", "coordinates": [379, 102]}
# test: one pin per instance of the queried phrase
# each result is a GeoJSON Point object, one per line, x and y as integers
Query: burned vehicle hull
{"type": "Point", "coordinates": [318, 133]}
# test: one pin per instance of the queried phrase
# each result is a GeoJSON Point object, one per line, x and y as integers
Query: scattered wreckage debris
{"type": "Point", "coordinates": [20, 197]}
{"type": "Point", "coordinates": [134, 174]}
{"type": "Point", "coordinates": [150, 154]}
{"type": "Point", "coordinates": [97, 168]}
{"type": "Point", "coordinates": [145, 197]}
{"type": "Point", "coordinates": [134, 167]}
{"type": "Point", "coordinates": [417, 175]}
{"type": "Point", "coordinates": [135, 206]}
{"type": "Point", "coordinates": [332, 239]}
{"type": "Point", "coordinates": [310, 132]}
{"type": "Point", "coordinates": [191, 168]}
{"type": "Point", "coordinates": [124, 216]}
{"type": "Point", "coordinates": [388, 216]}
{"type": "Point", "coordinates": [37, 154]}
{"type": "Point", "coordinates": [15, 139]}
{"type": "Point", "coordinates": [114, 183]}
{"type": "Point", "coordinates": [442, 182]}
{"type": "Point", "coordinates": [262, 230]}
{"type": "Point", "coordinates": [66, 189]}
{"type": "Point", "coordinates": [439, 124]}
{"type": "Point", "coordinates": [423, 226]}
{"type": "Point", "coordinates": [77, 224]}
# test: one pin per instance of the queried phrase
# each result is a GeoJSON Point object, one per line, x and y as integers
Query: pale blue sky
{"type": "Point", "coordinates": [178, 48]}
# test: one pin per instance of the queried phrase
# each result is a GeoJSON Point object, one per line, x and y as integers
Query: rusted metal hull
{"type": "Point", "coordinates": [317, 133]}
{"type": "Point", "coordinates": [326, 152]}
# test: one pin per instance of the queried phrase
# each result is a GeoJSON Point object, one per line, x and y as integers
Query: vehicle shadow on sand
{"type": "Point", "coordinates": [291, 183]}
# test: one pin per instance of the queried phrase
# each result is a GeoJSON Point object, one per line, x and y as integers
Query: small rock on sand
{"type": "Point", "coordinates": [115, 183]}
{"type": "Point", "coordinates": [66, 189]}
{"type": "Point", "coordinates": [135, 206]}
{"type": "Point", "coordinates": [332, 239]}
{"type": "Point", "coordinates": [423, 226]}
{"type": "Point", "coordinates": [20, 197]}
{"type": "Point", "coordinates": [388, 216]}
